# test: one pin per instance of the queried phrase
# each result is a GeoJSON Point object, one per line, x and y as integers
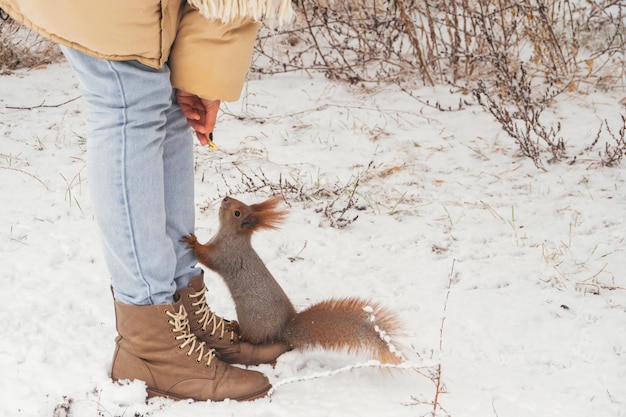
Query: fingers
{"type": "Point", "coordinates": [203, 138]}
{"type": "Point", "coordinates": [197, 125]}
{"type": "Point", "coordinates": [211, 108]}
{"type": "Point", "coordinates": [201, 115]}
{"type": "Point", "coordinates": [189, 104]}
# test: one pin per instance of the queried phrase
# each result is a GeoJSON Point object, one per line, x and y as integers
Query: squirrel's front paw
{"type": "Point", "coordinates": [191, 241]}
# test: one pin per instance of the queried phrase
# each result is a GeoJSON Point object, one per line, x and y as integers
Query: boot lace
{"type": "Point", "coordinates": [180, 324]}
{"type": "Point", "coordinates": [208, 317]}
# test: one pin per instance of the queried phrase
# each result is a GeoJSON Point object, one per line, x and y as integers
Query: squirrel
{"type": "Point", "coordinates": [264, 312]}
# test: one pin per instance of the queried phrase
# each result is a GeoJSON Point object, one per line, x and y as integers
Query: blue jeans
{"type": "Point", "coordinates": [141, 178]}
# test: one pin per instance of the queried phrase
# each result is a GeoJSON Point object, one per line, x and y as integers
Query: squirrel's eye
{"type": "Point", "coordinates": [237, 213]}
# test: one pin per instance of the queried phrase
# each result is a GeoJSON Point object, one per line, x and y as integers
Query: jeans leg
{"type": "Point", "coordinates": [178, 166]}
{"type": "Point", "coordinates": [140, 168]}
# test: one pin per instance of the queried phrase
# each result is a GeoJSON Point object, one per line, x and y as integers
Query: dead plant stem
{"type": "Point", "coordinates": [438, 383]}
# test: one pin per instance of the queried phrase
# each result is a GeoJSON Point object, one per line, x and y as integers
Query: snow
{"type": "Point", "coordinates": [508, 280]}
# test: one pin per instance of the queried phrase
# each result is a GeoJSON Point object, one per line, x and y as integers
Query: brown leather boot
{"type": "Point", "coordinates": [155, 345]}
{"type": "Point", "coordinates": [220, 334]}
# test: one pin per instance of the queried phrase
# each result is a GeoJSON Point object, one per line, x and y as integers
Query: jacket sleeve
{"type": "Point", "coordinates": [210, 58]}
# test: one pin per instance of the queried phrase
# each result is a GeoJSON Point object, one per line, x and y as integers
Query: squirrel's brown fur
{"type": "Point", "coordinates": [265, 313]}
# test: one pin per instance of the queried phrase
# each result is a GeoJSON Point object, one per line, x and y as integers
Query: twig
{"type": "Point", "coordinates": [437, 105]}
{"type": "Point", "coordinates": [411, 33]}
{"type": "Point", "coordinates": [297, 256]}
{"type": "Point", "coordinates": [313, 37]}
{"type": "Point", "coordinates": [438, 383]}
{"type": "Point", "coordinates": [263, 119]}
{"type": "Point", "coordinates": [493, 407]}
{"type": "Point", "coordinates": [43, 105]}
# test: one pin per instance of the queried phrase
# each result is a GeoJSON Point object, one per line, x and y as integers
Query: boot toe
{"type": "Point", "coordinates": [245, 385]}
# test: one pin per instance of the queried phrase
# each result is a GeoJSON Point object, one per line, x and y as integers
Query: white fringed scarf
{"type": "Point", "coordinates": [272, 11]}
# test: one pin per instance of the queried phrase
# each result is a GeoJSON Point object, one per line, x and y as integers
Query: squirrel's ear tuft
{"type": "Point", "coordinates": [267, 214]}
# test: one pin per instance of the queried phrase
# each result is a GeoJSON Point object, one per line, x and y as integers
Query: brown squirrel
{"type": "Point", "coordinates": [265, 313]}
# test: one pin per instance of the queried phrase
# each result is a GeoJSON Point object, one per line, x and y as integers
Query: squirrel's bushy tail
{"type": "Point", "coordinates": [349, 323]}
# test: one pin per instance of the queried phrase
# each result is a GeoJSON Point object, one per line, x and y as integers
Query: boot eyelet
{"type": "Point", "coordinates": [207, 365]}
{"type": "Point", "coordinates": [220, 338]}
{"type": "Point", "coordinates": [180, 347]}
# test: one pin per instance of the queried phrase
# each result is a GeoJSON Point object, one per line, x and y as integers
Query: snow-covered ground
{"type": "Point", "coordinates": [509, 280]}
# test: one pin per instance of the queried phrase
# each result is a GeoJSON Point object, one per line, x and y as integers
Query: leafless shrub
{"type": "Point", "coordinates": [519, 113]}
{"type": "Point", "coordinates": [444, 41]}
{"type": "Point", "coordinates": [514, 56]}
{"type": "Point", "coordinates": [613, 151]}
{"type": "Point", "coordinates": [21, 48]}
{"type": "Point", "coordinates": [356, 41]}
{"type": "Point", "coordinates": [337, 202]}
{"type": "Point", "coordinates": [337, 210]}
{"type": "Point", "coordinates": [516, 98]}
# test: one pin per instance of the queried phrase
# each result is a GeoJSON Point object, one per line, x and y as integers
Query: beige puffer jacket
{"type": "Point", "coordinates": [207, 57]}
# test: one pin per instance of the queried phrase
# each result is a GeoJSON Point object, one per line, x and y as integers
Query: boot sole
{"type": "Point", "coordinates": [153, 392]}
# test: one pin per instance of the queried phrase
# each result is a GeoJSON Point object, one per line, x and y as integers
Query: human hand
{"type": "Point", "coordinates": [200, 113]}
